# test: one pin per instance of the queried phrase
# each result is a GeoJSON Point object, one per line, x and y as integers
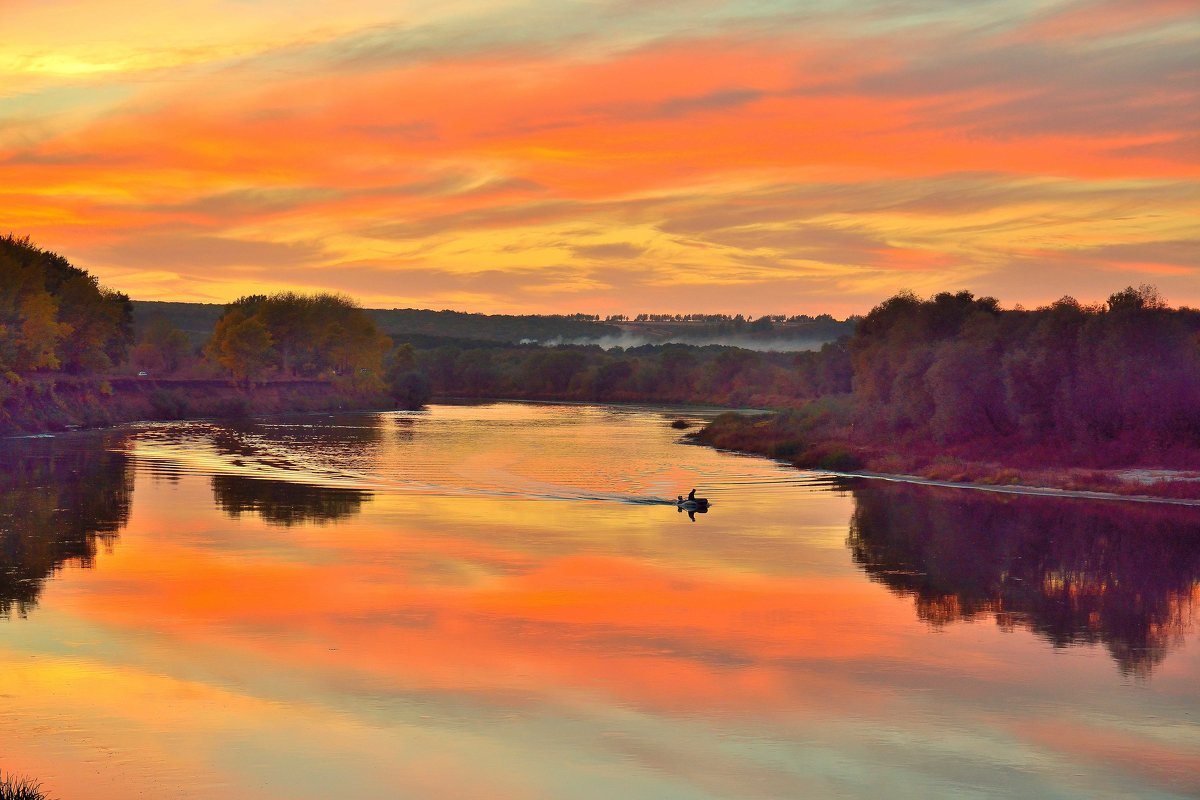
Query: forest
{"type": "Point", "coordinates": [955, 378]}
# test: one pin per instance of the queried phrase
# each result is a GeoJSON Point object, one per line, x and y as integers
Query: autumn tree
{"type": "Point", "coordinates": [242, 344]}
{"type": "Point", "coordinates": [54, 315]}
{"type": "Point", "coordinates": [301, 335]}
{"type": "Point", "coordinates": [161, 348]}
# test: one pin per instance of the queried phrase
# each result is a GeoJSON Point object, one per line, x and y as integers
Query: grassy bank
{"type": "Point", "coordinates": [822, 435]}
{"type": "Point", "coordinates": [55, 403]}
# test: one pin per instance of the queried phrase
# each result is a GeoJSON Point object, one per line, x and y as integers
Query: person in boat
{"type": "Point", "coordinates": [692, 495]}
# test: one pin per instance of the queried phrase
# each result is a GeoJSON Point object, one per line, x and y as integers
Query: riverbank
{"type": "Point", "coordinates": [815, 438]}
{"type": "Point", "coordinates": [56, 403]}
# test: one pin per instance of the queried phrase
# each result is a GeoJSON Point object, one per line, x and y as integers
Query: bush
{"type": "Point", "coordinates": [410, 389]}
{"type": "Point", "coordinates": [169, 404]}
{"type": "Point", "coordinates": [832, 458]}
{"type": "Point", "coordinates": [234, 407]}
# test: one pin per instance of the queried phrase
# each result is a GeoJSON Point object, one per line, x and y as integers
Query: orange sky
{"type": "Point", "coordinates": [607, 156]}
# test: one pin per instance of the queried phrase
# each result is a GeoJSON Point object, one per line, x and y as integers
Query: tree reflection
{"type": "Point", "coordinates": [1073, 572]}
{"type": "Point", "coordinates": [58, 497]}
{"type": "Point", "coordinates": [285, 503]}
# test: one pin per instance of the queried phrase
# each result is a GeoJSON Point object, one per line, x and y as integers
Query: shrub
{"type": "Point", "coordinates": [831, 457]}
{"type": "Point", "coordinates": [235, 407]}
{"type": "Point", "coordinates": [410, 389]}
{"type": "Point", "coordinates": [169, 404]}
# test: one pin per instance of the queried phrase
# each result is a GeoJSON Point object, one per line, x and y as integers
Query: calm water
{"type": "Point", "coordinates": [493, 601]}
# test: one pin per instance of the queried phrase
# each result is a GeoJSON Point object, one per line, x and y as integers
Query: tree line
{"type": "Point", "coordinates": [1121, 376]}
{"type": "Point", "coordinates": [948, 371]}
{"type": "Point", "coordinates": [672, 373]}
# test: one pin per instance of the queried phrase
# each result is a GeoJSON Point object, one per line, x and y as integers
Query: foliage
{"type": "Point", "coordinates": [1120, 378]}
{"type": "Point", "coordinates": [241, 344]}
{"type": "Point", "coordinates": [674, 373]}
{"type": "Point", "coordinates": [294, 335]}
{"type": "Point", "coordinates": [410, 389]}
{"type": "Point", "coordinates": [161, 348]}
{"type": "Point", "coordinates": [170, 404]}
{"type": "Point", "coordinates": [56, 316]}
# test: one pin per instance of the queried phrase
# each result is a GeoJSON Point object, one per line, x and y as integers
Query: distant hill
{"type": "Point", "coordinates": [422, 327]}
{"type": "Point", "coordinates": [197, 320]}
{"type": "Point", "coordinates": [401, 322]}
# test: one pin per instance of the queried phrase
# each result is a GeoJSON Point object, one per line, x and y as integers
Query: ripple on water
{"type": "Point", "coordinates": [569, 452]}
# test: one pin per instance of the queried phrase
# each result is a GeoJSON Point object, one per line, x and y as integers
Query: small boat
{"type": "Point", "coordinates": [698, 504]}
{"type": "Point", "coordinates": [694, 506]}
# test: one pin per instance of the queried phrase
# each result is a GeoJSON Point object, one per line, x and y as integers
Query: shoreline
{"type": "Point", "coordinates": [807, 441]}
{"type": "Point", "coordinates": [298, 397]}
{"type": "Point", "coordinates": [64, 403]}
{"type": "Point", "coordinates": [1017, 489]}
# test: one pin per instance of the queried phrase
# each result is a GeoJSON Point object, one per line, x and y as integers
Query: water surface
{"type": "Point", "coordinates": [499, 601]}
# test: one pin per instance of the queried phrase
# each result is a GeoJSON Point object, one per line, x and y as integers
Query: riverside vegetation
{"type": "Point", "coordinates": [956, 388]}
{"type": "Point", "coordinates": [952, 387]}
{"type": "Point", "coordinates": [72, 355]}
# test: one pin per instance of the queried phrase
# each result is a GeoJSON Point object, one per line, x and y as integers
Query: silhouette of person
{"type": "Point", "coordinates": [692, 494]}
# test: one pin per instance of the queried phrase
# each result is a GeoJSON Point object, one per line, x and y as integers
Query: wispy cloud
{"type": "Point", "coordinates": [535, 156]}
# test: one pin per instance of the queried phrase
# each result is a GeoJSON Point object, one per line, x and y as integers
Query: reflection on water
{"type": "Point", "coordinates": [1122, 574]}
{"type": "Point", "coordinates": [499, 600]}
{"type": "Point", "coordinates": [283, 502]}
{"type": "Point", "coordinates": [56, 502]}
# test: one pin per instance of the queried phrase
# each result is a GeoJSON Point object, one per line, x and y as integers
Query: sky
{"type": "Point", "coordinates": [608, 156]}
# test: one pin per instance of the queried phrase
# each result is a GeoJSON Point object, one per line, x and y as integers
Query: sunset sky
{"type": "Point", "coordinates": [605, 156]}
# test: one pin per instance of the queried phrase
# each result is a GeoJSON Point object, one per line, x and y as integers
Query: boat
{"type": "Point", "coordinates": [698, 504]}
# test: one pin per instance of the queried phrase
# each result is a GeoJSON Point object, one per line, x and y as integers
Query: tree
{"type": "Point", "coordinates": [310, 334]}
{"type": "Point", "coordinates": [410, 389]}
{"type": "Point", "coordinates": [162, 347]}
{"type": "Point", "coordinates": [242, 345]}
{"type": "Point", "coordinates": [56, 316]}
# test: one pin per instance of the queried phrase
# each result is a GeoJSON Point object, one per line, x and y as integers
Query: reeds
{"type": "Point", "coordinates": [14, 787]}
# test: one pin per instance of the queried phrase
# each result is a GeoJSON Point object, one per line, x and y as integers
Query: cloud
{"type": "Point", "coordinates": [186, 251]}
{"type": "Point", "coordinates": [742, 152]}
{"type": "Point", "coordinates": [612, 250]}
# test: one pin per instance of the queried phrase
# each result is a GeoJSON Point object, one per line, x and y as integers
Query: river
{"type": "Point", "coordinates": [501, 600]}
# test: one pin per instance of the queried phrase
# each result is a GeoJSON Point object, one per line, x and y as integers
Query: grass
{"type": "Point", "coordinates": [13, 787]}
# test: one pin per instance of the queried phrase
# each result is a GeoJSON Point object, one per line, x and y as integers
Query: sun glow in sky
{"type": "Point", "coordinates": [605, 155]}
